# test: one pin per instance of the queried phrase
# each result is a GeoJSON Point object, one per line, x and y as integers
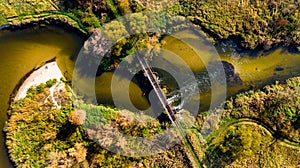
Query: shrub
{"type": "Point", "coordinates": [51, 82]}
{"type": "Point", "coordinates": [77, 117]}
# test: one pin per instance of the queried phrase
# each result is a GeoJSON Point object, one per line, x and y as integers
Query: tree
{"type": "Point", "coordinates": [138, 23]}
{"type": "Point", "coordinates": [117, 33]}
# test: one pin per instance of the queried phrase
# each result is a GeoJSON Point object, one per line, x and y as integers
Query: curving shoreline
{"type": "Point", "coordinates": [46, 72]}
{"type": "Point", "coordinates": [46, 22]}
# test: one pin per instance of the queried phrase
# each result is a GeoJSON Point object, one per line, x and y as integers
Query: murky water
{"type": "Point", "coordinates": [22, 50]}
{"type": "Point", "coordinates": [254, 72]}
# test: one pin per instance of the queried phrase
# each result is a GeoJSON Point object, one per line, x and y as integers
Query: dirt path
{"type": "Point", "coordinates": [268, 130]}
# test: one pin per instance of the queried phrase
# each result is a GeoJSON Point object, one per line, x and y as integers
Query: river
{"type": "Point", "coordinates": [22, 50]}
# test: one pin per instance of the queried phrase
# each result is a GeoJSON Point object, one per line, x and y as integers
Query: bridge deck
{"type": "Point", "coordinates": [156, 86]}
{"type": "Point", "coordinates": [163, 100]}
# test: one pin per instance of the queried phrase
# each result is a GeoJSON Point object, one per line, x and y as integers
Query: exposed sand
{"type": "Point", "coordinates": [41, 75]}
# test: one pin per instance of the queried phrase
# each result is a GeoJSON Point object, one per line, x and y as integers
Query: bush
{"type": "Point", "coordinates": [51, 82]}
{"type": "Point", "coordinates": [40, 88]}
{"type": "Point", "coordinates": [240, 142]}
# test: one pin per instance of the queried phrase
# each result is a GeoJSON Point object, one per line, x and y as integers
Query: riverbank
{"type": "Point", "coordinates": [48, 136]}
{"type": "Point", "coordinates": [46, 22]}
{"type": "Point", "coordinates": [252, 38]}
{"type": "Point", "coordinates": [60, 135]}
{"type": "Point", "coordinates": [256, 24]}
{"type": "Point", "coordinates": [22, 52]}
{"type": "Point", "coordinates": [54, 18]}
{"type": "Point", "coordinates": [17, 15]}
{"type": "Point", "coordinates": [41, 75]}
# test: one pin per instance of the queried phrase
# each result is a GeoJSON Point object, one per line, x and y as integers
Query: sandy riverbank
{"type": "Point", "coordinates": [41, 75]}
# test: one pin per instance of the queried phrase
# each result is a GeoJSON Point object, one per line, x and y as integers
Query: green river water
{"type": "Point", "coordinates": [22, 50]}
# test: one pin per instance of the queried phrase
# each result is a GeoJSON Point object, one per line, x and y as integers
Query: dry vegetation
{"type": "Point", "coordinates": [40, 134]}
{"type": "Point", "coordinates": [257, 22]}
{"type": "Point", "coordinates": [257, 129]}
{"type": "Point", "coordinates": [263, 130]}
{"type": "Point", "coordinates": [276, 106]}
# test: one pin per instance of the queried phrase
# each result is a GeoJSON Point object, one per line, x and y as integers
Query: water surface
{"type": "Point", "coordinates": [22, 50]}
